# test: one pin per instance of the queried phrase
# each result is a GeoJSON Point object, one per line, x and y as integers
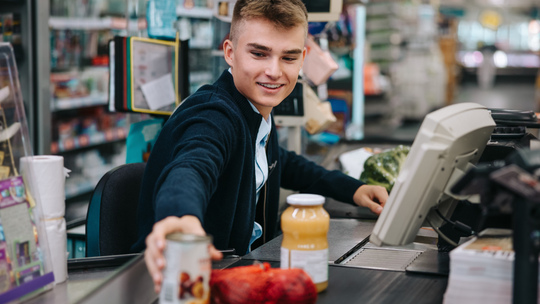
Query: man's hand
{"type": "Point", "coordinates": [155, 243]}
{"type": "Point", "coordinates": [368, 196]}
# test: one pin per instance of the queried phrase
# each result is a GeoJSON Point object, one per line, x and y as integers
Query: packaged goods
{"type": "Point", "coordinates": [262, 284]}
{"type": "Point", "coordinates": [186, 276]}
{"type": "Point", "coordinates": [305, 245]}
{"type": "Point", "coordinates": [482, 269]}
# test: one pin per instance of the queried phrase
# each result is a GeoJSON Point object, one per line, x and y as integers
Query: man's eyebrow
{"type": "Point", "coordinates": [293, 51]}
{"type": "Point", "coordinates": [260, 47]}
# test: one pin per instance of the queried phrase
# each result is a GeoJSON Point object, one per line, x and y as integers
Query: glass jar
{"type": "Point", "coordinates": [305, 245]}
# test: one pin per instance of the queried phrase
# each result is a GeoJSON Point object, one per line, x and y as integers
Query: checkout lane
{"type": "Point", "coordinates": [132, 284]}
{"type": "Point", "coordinates": [346, 284]}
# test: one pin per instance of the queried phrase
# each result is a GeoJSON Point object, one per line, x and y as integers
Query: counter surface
{"type": "Point", "coordinates": [343, 235]}
{"type": "Point", "coordinates": [132, 284]}
{"type": "Point", "coordinates": [354, 285]}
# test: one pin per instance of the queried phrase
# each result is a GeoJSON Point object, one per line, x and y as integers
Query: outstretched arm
{"type": "Point", "coordinates": [300, 174]}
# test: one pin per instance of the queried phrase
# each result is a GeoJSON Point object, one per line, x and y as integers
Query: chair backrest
{"type": "Point", "coordinates": [111, 222]}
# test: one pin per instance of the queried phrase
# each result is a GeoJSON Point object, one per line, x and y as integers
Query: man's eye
{"type": "Point", "coordinates": [289, 59]}
{"type": "Point", "coordinates": [257, 54]}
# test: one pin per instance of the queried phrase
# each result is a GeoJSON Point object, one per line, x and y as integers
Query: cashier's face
{"type": "Point", "coordinates": [265, 62]}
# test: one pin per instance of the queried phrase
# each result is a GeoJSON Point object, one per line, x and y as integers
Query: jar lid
{"type": "Point", "coordinates": [305, 199]}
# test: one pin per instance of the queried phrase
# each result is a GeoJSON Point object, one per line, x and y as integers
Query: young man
{"type": "Point", "coordinates": [217, 167]}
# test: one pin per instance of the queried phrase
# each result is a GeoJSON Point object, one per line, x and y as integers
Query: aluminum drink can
{"type": "Point", "coordinates": [186, 276]}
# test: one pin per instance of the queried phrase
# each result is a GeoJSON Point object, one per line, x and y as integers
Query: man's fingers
{"type": "Point", "coordinates": [153, 271]}
{"type": "Point", "coordinates": [374, 207]}
{"type": "Point", "coordinates": [214, 253]}
{"type": "Point", "coordinates": [156, 243]}
{"type": "Point", "coordinates": [154, 250]}
{"type": "Point", "coordinates": [187, 224]}
{"type": "Point", "coordinates": [382, 195]}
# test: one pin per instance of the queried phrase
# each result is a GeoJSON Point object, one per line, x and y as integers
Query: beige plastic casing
{"type": "Point", "coordinates": [450, 140]}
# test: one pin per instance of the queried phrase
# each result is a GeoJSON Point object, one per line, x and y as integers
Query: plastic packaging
{"type": "Point", "coordinates": [305, 245]}
{"type": "Point", "coordinates": [49, 177]}
{"type": "Point", "coordinates": [25, 265]}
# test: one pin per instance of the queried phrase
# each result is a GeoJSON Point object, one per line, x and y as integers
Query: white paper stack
{"type": "Point", "coordinates": [482, 270]}
{"type": "Point", "coordinates": [47, 176]}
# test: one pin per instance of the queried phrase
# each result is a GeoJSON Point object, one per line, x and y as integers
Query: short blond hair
{"type": "Point", "coordinates": [283, 14]}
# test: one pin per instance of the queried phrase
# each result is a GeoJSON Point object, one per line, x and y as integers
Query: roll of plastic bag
{"type": "Point", "coordinates": [48, 176]}
{"type": "Point", "coordinates": [57, 238]}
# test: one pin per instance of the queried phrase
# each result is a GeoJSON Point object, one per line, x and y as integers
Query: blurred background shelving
{"type": "Point", "coordinates": [90, 139]}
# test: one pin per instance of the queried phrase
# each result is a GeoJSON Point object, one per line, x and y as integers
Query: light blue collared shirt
{"type": "Point", "coordinates": [261, 166]}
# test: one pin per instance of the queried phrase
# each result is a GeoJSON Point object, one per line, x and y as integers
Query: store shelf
{"type": "Point", "coordinates": [202, 76]}
{"type": "Point", "coordinates": [84, 141]}
{"type": "Point", "coordinates": [72, 23]}
{"type": "Point", "coordinates": [217, 53]}
{"type": "Point", "coordinates": [196, 12]}
{"type": "Point", "coordinates": [73, 190]}
{"type": "Point", "coordinates": [79, 102]}
{"type": "Point", "coordinates": [200, 44]}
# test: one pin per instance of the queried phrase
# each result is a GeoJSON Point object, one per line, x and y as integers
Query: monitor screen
{"type": "Point", "coordinates": [323, 10]}
{"type": "Point", "coordinates": [449, 142]}
{"type": "Point", "coordinates": [317, 6]}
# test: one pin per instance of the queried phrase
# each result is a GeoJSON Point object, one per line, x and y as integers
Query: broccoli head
{"type": "Point", "coordinates": [383, 169]}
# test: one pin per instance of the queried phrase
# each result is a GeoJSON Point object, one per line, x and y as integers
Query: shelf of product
{"type": "Point", "coordinates": [75, 89]}
{"type": "Point", "coordinates": [82, 131]}
{"type": "Point", "coordinates": [195, 12]}
{"type": "Point", "coordinates": [88, 167]}
{"type": "Point", "coordinates": [87, 127]}
{"type": "Point", "coordinates": [89, 140]}
{"type": "Point", "coordinates": [217, 53]}
{"type": "Point", "coordinates": [199, 78]}
{"type": "Point", "coordinates": [200, 32]}
{"type": "Point", "coordinates": [105, 23]}
{"type": "Point", "coordinates": [72, 49]}
{"type": "Point", "coordinates": [98, 99]}
{"type": "Point", "coordinates": [79, 187]}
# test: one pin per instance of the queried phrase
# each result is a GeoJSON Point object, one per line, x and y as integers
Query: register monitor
{"type": "Point", "coordinates": [323, 10]}
{"type": "Point", "coordinates": [449, 142]}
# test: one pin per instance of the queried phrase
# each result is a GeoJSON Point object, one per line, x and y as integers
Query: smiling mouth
{"type": "Point", "coordinates": [270, 86]}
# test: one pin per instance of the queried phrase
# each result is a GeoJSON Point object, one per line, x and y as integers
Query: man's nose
{"type": "Point", "coordinates": [273, 70]}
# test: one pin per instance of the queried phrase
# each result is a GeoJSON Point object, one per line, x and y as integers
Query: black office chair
{"type": "Point", "coordinates": [111, 222]}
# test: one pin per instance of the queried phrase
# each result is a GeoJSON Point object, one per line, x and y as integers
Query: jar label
{"type": "Point", "coordinates": [314, 262]}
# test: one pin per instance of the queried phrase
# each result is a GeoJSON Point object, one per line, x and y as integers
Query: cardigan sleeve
{"type": "Point", "coordinates": [300, 174]}
{"type": "Point", "coordinates": [201, 139]}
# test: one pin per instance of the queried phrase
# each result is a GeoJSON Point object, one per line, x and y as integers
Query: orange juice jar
{"type": "Point", "coordinates": [305, 245]}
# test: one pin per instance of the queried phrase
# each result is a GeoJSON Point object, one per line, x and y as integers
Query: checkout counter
{"type": "Point", "coordinates": [383, 280]}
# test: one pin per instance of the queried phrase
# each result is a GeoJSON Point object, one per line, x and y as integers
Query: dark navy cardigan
{"type": "Point", "coordinates": [203, 165]}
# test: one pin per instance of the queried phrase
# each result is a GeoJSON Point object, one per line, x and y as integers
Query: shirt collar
{"type": "Point", "coordinates": [266, 124]}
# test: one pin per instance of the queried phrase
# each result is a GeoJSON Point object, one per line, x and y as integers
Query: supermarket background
{"type": "Point", "coordinates": [419, 56]}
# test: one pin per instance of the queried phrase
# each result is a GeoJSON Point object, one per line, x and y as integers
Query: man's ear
{"type": "Point", "coordinates": [228, 52]}
{"type": "Point", "coordinates": [304, 53]}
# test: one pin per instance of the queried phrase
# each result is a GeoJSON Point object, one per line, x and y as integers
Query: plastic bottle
{"type": "Point", "coordinates": [305, 245]}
